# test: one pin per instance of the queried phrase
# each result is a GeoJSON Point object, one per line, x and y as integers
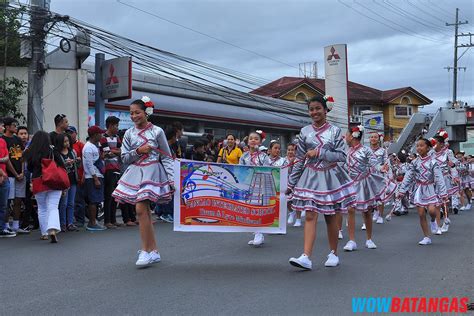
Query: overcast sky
{"type": "Point", "coordinates": [297, 31]}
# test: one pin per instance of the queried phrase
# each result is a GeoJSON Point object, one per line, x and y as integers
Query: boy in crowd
{"type": "Point", "coordinates": [15, 171]}
{"type": "Point", "coordinates": [62, 124]}
{"type": "Point", "coordinates": [22, 133]}
{"type": "Point", "coordinates": [80, 204]}
{"type": "Point", "coordinates": [179, 147]}
{"type": "Point", "coordinates": [4, 186]}
{"type": "Point", "coordinates": [94, 176]}
{"type": "Point", "coordinates": [110, 145]}
{"type": "Point", "coordinates": [197, 152]}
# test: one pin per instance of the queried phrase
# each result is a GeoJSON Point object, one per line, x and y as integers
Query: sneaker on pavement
{"type": "Point", "coordinates": [333, 260]}
{"type": "Point", "coordinates": [7, 233]}
{"type": "Point", "coordinates": [297, 222]}
{"type": "Point", "coordinates": [375, 216]}
{"type": "Point", "coordinates": [72, 228]}
{"type": "Point", "coordinates": [144, 259]}
{"type": "Point", "coordinates": [370, 244]}
{"type": "Point", "coordinates": [302, 262]}
{"type": "Point", "coordinates": [363, 227]}
{"type": "Point", "coordinates": [388, 218]}
{"type": "Point", "coordinates": [291, 217]}
{"type": "Point", "coordinates": [165, 218]}
{"type": "Point", "coordinates": [468, 207]}
{"type": "Point", "coordinates": [258, 240]}
{"type": "Point", "coordinates": [154, 256]}
{"type": "Point", "coordinates": [350, 246]}
{"type": "Point", "coordinates": [379, 220]}
{"type": "Point", "coordinates": [438, 231]}
{"type": "Point", "coordinates": [96, 227]}
{"type": "Point", "coordinates": [339, 236]}
{"type": "Point", "coordinates": [23, 231]}
{"type": "Point", "coordinates": [434, 227]}
{"type": "Point", "coordinates": [445, 228]}
{"type": "Point", "coordinates": [425, 241]}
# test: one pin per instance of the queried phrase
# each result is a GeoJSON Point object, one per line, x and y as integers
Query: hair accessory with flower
{"type": "Point", "coordinates": [329, 102]}
{"type": "Point", "coordinates": [148, 105]}
{"type": "Point", "coordinates": [443, 133]}
{"type": "Point", "coordinates": [432, 141]}
{"type": "Point", "coordinates": [261, 133]}
{"type": "Point", "coordinates": [356, 131]}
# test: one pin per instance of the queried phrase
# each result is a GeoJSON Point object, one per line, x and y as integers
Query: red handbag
{"type": "Point", "coordinates": [54, 177]}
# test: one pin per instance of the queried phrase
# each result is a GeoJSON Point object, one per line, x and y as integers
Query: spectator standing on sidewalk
{"type": "Point", "coordinates": [15, 171]}
{"type": "Point", "coordinates": [94, 176]}
{"type": "Point", "coordinates": [70, 162]}
{"type": "Point", "coordinates": [165, 211]}
{"type": "Point", "coordinates": [4, 186]}
{"type": "Point", "coordinates": [80, 204]}
{"type": "Point", "coordinates": [110, 145]}
{"type": "Point", "coordinates": [62, 124]}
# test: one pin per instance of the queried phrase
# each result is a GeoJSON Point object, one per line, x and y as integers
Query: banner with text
{"type": "Point", "coordinates": [212, 197]}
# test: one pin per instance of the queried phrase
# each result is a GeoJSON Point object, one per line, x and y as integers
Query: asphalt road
{"type": "Point", "coordinates": [219, 274]}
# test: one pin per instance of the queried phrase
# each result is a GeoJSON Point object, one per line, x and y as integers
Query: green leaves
{"type": "Point", "coordinates": [11, 90]}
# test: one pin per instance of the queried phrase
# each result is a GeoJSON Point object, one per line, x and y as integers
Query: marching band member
{"type": "Point", "coordinates": [254, 157]}
{"type": "Point", "coordinates": [318, 182]}
{"type": "Point", "coordinates": [148, 177]}
{"type": "Point", "coordinates": [371, 187]}
{"type": "Point", "coordinates": [430, 187]}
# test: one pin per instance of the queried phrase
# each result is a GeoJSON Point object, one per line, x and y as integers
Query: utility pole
{"type": "Point", "coordinates": [455, 64]}
{"type": "Point", "coordinates": [39, 18]}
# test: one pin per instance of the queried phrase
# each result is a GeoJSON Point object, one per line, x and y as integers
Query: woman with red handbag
{"type": "Point", "coordinates": [49, 179]}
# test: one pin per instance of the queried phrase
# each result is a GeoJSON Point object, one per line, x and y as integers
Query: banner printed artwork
{"type": "Point", "coordinates": [214, 197]}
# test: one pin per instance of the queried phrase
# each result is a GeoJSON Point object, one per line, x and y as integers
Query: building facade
{"type": "Point", "coordinates": [397, 105]}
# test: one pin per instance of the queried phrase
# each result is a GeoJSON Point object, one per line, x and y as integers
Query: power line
{"type": "Point", "coordinates": [399, 25]}
{"type": "Point", "coordinates": [386, 24]}
{"type": "Point", "coordinates": [407, 14]}
{"type": "Point", "coordinates": [204, 34]}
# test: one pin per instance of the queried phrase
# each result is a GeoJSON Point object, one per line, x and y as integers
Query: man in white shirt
{"type": "Point", "coordinates": [94, 175]}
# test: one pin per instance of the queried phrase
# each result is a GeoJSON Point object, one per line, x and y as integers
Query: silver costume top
{"type": "Point", "coordinates": [275, 162]}
{"type": "Point", "coordinates": [328, 140]}
{"type": "Point", "coordinates": [257, 158]}
{"type": "Point", "coordinates": [424, 172]}
{"type": "Point", "coordinates": [153, 135]}
{"type": "Point", "coordinates": [442, 158]}
{"type": "Point", "coordinates": [361, 162]}
{"type": "Point", "coordinates": [380, 156]}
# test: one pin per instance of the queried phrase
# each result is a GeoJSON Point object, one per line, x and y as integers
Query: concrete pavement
{"type": "Point", "coordinates": [219, 274]}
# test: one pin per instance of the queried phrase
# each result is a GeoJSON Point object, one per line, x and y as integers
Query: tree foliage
{"type": "Point", "coordinates": [11, 20]}
{"type": "Point", "coordinates": [11, 91]}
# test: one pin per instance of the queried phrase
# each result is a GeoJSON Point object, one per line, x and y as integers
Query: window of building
{"type": "Point", "coordinates": [403, 111]}
{"type": "Point", "coordinates": [405, 101]}
{"type": "Point", "coordinates": [357, 109]}
{"type": "Point", "coordinates": [301, 97]}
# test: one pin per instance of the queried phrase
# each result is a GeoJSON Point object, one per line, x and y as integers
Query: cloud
{"type": "Point", "coordinates": [297, 31]}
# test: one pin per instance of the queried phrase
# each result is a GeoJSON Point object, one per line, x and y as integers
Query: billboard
{"type": "Point", "coordinates": [372, 122]}
{"type": "Point", "coordinates": [117, 78]}
{"type": "Point", "coordinates": [335, 68]}
{"type": "Point", "coordinates": [212, 197]}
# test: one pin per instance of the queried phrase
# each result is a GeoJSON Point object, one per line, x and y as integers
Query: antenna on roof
{"type": "Point", "coordinates": [308, 69]}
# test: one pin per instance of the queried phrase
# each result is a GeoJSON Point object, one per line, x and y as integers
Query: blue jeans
{"type": "Point", "coordinates": [80, 212]}
{"type": "Point", "coordinates": [66, 206]}
{"type": "Point", "coordinates": [4, 191]}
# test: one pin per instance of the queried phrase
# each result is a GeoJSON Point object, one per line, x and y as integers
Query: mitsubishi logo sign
{"type": "Point", "coordinates": [333, 54]}
{"type": "Point", "coordinates": [117, 78]}
{"type": "Point", "coordinates": [111, 79]}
